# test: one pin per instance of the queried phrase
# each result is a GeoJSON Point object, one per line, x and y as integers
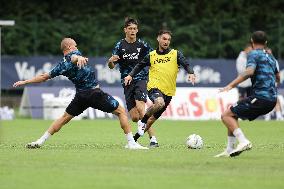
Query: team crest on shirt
{"type": "Point", "coordinates": [138, 49]}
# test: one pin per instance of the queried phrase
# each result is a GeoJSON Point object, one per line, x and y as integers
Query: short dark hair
{"type": "Point", "coordinates": [129, 20]}
{"type": "Point", "coordinates": [259, 37]}
{"type": "Point", "coordinates": [163, 31]}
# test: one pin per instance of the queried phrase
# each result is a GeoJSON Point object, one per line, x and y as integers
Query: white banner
{"type": "Point", "coordinates": [199, 103]}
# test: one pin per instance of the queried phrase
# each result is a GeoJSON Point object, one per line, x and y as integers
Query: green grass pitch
{"type": "Point", "coordinates": [90, 154]}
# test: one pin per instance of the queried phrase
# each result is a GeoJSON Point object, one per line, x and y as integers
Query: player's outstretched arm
{"type": "Point", "coordinates": [185, 64]}
{"type": "Point", "coordinates": [37, 79]}
{"type": "Point", "coordinates": [242, 77]}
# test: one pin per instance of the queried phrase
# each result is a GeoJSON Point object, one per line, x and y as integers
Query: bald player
{"type": "Point", "coordinates": [88, 93]}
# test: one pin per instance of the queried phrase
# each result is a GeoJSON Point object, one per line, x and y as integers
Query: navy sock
{"type": "Point", "coordinates": [136, 136]}
{"type": "Point", "coordinates": [145, 118]}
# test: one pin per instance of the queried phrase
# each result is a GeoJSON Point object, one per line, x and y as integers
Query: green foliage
{"type": "Point", "coordinates": [202, 29]}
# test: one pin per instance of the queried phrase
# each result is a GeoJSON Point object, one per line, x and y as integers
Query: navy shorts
{"type": "Point", "coordinates": [137, 90]}
{"type": "Point", "coordinates": [94, 98]}
{"type": "Point", "coordinates": [154, 94]}
{"type": "Point", "coordinates": [251, 107]}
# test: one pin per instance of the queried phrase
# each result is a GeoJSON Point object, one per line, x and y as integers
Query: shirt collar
{"type": "Point", "coordinates": [163, 52]}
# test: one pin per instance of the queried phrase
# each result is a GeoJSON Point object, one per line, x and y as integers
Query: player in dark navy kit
{"type": "Point", "coordinates": [127, 53]}
{"type": "Point", "coordinates": [264, 73]}
{"type": "Point", "coordinates": [88, 94]}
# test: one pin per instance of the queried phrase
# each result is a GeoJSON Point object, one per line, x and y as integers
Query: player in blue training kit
{"type": "Point", "coordinates": [88, 94]}
{"type": "Point", "coordinates": [263, 71]}
{"type": "Point", "coordinates": [127, 53]}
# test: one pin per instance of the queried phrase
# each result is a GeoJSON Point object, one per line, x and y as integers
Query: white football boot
{"type": "Point", "coordinates": [135, 146]}
{"type": "Point", "coordinates": [32, 145]}
{"type": "Point", "coordinates": [240, 148]}
{"type": "Point", "coordinates": [223, 154]}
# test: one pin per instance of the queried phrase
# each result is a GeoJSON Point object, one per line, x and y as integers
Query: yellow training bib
{"type": "Point", "coordinates": [163, 72]}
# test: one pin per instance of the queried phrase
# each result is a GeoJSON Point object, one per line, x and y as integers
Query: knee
{"type": "Point", "coordinates": [135, 119]}
{"type": "Point", "coordinates": [120, 111]}
{"type": "Point", "coordinates": [160, 104]}
{"type": "Point", "coordinates": [224, 115]}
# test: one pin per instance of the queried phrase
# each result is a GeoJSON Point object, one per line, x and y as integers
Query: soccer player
{"type": "Point", "coordinates": [88, 93]}
{"type": "Point", "coordinates": [126, 54]}
{"type": "Point", "coordinates": [164, 64]}
{"type": "Point", "coordinates": [264, 73]}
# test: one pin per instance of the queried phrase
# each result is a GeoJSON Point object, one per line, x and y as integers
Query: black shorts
{"type": "Point", "coordinates": [154, 94]}
{"type": "Point", "coordinates": [250, 108]}
{"type": "Point", "coordinates": [94, 98]}
{"type": "Point", "coordinates": [137, 90]}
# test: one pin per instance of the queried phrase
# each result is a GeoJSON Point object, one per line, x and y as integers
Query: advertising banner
{"type": "Point", "coordinates": [209, 72]}
{"type": "Point", "coordinates": [188, 104]}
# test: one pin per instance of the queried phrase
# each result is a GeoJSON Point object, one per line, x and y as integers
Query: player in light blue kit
{"type": "Point", "coordinates": [88, 94]}
{"type": "Point", "coordinates": [263, 71]}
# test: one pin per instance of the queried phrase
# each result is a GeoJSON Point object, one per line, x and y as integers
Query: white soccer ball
{"type": "Point", "coordinates": [194, 141]}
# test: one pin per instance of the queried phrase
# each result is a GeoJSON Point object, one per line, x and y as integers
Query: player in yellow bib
{"type": "Point", "coordinates": [164, 64]}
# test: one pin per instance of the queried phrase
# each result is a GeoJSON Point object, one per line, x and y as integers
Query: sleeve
{"type": "Point", "coordinates": [145, 62]}
{"type": "Point", "coordinates": [148, 47]}
{"type": "Point", "coordinates": [59, 69]}
{"type": "Point", "coordinates": [182, 61]}
{"type": "Point", "coordinates": [116, 51]}
{"type": "Point", "coordinates": [251, 60]}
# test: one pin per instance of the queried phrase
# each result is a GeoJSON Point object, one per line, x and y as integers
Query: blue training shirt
{"type": "Point", "coordinates": [83, 78]}
{"type": "Point", "coordinates": [131, 54]}
{"type": "Point", "coordinates": [263, 79]}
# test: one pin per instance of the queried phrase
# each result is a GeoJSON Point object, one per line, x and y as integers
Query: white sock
{"type": "Point", "coordinates": [153, 139]}
{"type": "Point", "coordinates": [44, 137]}
{"type": "Point", "coordinates": [278, 115]}
{"type": "Point", "coordinates": [129, 137]}
{"type": "Point", "coordinates": [238, 133]}
{"type": "Point", "coordinates": [231, 142]}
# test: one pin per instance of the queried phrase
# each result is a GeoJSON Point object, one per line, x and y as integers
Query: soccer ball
{"type": "Point", "coordinates": [194, 141]}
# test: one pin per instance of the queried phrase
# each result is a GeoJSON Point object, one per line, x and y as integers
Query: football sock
{"type": "Point", "coordinates": [278, 115]}
{"type": "Point", "coordinates": [238, 133]}
{"type": "Point", "coordinates": [153, 139]}
{"type": "Point", "coordinates": [136, 136]}
{"type": "Point", "coordinates": [44, 137]}
{"type": "Point", "coordinates": [129, 137]}
{"type": "Point", "coordinates": [231, 142]}
{"type": "Point", "coordinates": [145, 118]}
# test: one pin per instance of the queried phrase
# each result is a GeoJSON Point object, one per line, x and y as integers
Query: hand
{"type": "Point", "coordinates": [19, 83]}
{"type": "Point", "coordinates": [127, 80]}
{"type": "Point", "coordinates": [82, 61]}
{"type": "Point", "coordinates": [191, 78]}
{"type": "Point", "coordinates": [225, 89]}
{"type": "Point", "coordinates": [113, 58]}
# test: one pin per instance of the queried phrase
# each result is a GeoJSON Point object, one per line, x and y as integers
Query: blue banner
{"type": "Point", "coordinates": [210, 72]}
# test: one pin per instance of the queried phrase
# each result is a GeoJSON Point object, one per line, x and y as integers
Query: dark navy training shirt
{"type": "Point", "coordinates": [131, 54]}
{"type": "Point", "coordinates": [83, 78]}
{"type": "Point", "coordinates": [263, 80]}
